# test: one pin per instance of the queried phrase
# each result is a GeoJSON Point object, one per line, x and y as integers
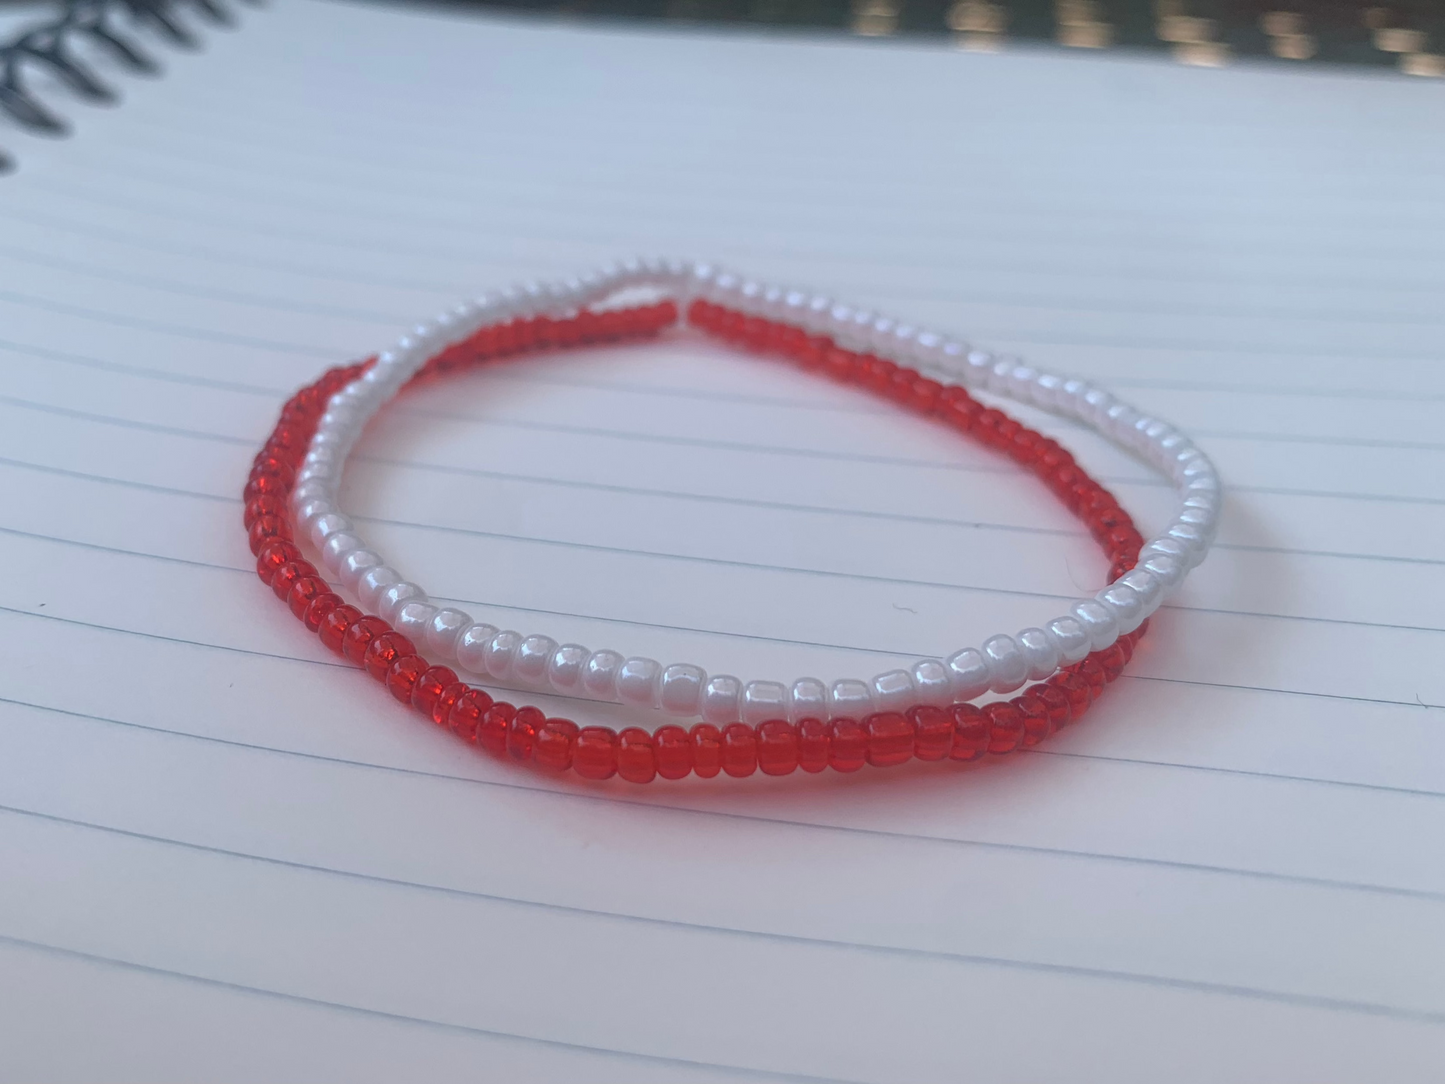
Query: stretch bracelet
{"type": "Point", "coordinates": [776, 746]}
{"type": "Point", "coordinates": [873, 352]}
{"type": "Point", "coordinates": [961, 733]}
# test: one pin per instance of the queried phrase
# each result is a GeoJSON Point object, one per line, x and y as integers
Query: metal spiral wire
{"type": "Point", "coordinates": [49, 47]}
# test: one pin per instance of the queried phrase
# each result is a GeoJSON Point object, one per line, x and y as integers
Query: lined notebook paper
{"type": "Point", "coordinates": [226, 856]}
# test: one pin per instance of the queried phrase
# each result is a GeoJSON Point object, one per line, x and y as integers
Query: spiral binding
{"type": "Point", "coordinates": [48, 46]}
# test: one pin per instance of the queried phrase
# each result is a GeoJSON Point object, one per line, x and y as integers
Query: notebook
{"type": "Point", "coordinates": [227, 856]}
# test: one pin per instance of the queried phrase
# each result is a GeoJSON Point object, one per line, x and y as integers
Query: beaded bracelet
{"type": "Point", "coordinates": [1002, 664]}
{"type": "Point", "coordinates": [776, 745]}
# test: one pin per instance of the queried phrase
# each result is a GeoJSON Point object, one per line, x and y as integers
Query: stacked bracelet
{"type": "Point", "coordinates": [921, 711]}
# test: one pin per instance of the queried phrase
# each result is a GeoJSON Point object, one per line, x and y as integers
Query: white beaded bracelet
{"type": "Point", "coordinates": [1002, 664]}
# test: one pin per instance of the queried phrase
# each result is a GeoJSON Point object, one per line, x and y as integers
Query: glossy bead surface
{"type": "Point", "coordinates": [554, 744]}
{"type": "Point", "coordinates": [932, 732]}
{"type": "Point", "coordinates": [672, 748]}
{"type": "Point", "coordinates": [847, 745]}
{"type": "Point", "coordinates": [383, 651]}
{"type": "Point", "coordinates": [739, 747]}
{"type": "Point", "coordinates": [402, 676]}
{"type": "Point", "coordinates": [777, 747]}
{"type": "Point", "coordinates": [492, 730]}
{"type": "Point", "coordinates": [335, 625]}
{"type": "Point", "coordinates": [359, 635]}
{"type": "Point", "coordinates": [706, 742]}
{"type": "Point", "coordinates": [429, 687]}
{"type": "Point", "coordinates": [441, 709]}
{"type": "Point", "coordinates": [890, 738]}
{"type": "Point", "coordinates": [636, 756]}
{"type": "Point", "coordinates": [972, 732]}
{"type": "Point", "coordinates": [1006, 726]}
{"type": "Point", "coordinates": [814, 743]}
{"type": "Point", "coordinates": [594, 754]}
{"type": "Point", "coordinates": [522, 733]}
{"type": "Point", "coordinates": [318, 608]}
{"type": "Point", "coordinates": [1038, 724]}
{"type": "Point", "coordinates": [465, 718]}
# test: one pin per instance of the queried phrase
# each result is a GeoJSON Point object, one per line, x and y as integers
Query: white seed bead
{"type": "Point", "coordinates": [722, 699]}
{"type": "Point", "coordinates": [599, 675]}
{"type": "Point", "coordinates": [533, 656]}
{"type": "Point", "coordinates": [324, 526]}
{"type": "Point", "coordinates": [564, 672]}
{"type": "Point", "coordinates": [1039, 651]}
{"type": "Point", "coordinates": [445, 629]}
{"type": "Point", "coordinates": [763, 701]}
{"type": "Point", "coordinates": [356, 564]}
{"type": "Point", "coordinates": [931, 679]}
{"type": "Point", "coordinates": [807, 699]}
{"type": "Point", "coordinates": [1008, 668]}
{"type": "Point", "coordinates": [1125, 604]}
{"type": "Point", "coordinates": [893, 690]}
{"type": "Point", "coordinates": [849, 699]}
{"type": "Point", "coordinates": [471, 647]}
{"type": "Point", "coordinates": [373, 582]}
{"type": "Point", "coordinates": [637, 681]}
{"type": "Point", "coordinates": [414, 619]}
{"type": "Point", "coordinates": [1070, 638]}
{"type": "Point", "coordinates": [391, 600]}
{"type": "Point", "coordinates": [1098, 621]}
{"type": "Point", "coordinates": [969, 672]}
{"type": "Point", "coordinates": [337, 548]}
{"type": "Point", "coordinates": [501, 653]}
{"type": "Point", "coordinates": [681, 688]}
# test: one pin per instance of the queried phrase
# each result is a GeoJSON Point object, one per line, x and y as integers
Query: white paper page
{"type": "Point", "coordinates": [228, 855]}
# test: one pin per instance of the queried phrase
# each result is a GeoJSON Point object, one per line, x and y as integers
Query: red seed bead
{"type": "Point", "coordinates": [264, 530]}
{"type": "Point", "coordinates": [814, 742]}
{"type": "Point", "coordinates": [359, 636]}
{"type": "Point", "coordinates": [266, 483]}
{"type": "Point", "coordinates": [1055, 701]}
{"type": "Point", "coordinates": [739, 750]}
{"type": "Point", "coordinates": [335, 624]}
{"type": "Point", "coordinates": [1006, 727]}
{"type": "Point", "coordinates": [402, 676]}
{"type": "Point", "coordinates": [522, 732]}
{"type": "Point", "coordinates": [319, 608]}
{"type": "Point", "coordinates": [1037, 723]}
{"type": "Point", "coordinates": [553, 747]}
{"type": "Point", "coordinates": [466, 713]}
{"type": "Point", "coordinates": [839, 363]}
{"type": "Point", "coordinates": [441, 709]}
{"type": "Point", "coordinates": [268, 505]}
{"type": "Point", "coordinates": [706, 750]}
{"type": "Point", "coordinates": [429, 687]}
{"type": "Point", "coordinates": [847, 745]}
{"type": "Point", "coordinates": [636, 757]}
{"type": "Point", "coordinates": [285, 577]}
{"type": "Point", "coordinates": [971, 732]}
{"type": "Point", "coordinates": [303, 592]}
{"type": "Point", "coordinates": [594, 755]}
{"type": "Point", "coordinates": [383, 651]}
{"type": "Point", "coordinates": [1077, 690]}
{"type": "Point", "coordinates": [777, 748]}
{"type": "Point", "coordinates": [890, 738]}
{"type": "Point", "coordinates": [273, 555]}
{"type": "Point", "coordinates": [1090, 670]}
{"type": "Point", "coordinates": [495, 722]}
{"type": "Point", "coordinates": [673, 749]}
{"type": "Point", "coordinates": [1111, 661]}
{"type": "Point", "coordinates": [932, 732]}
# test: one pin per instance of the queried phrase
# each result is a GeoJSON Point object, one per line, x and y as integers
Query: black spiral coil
{"type": "Point", "coordinates": [49, 47]}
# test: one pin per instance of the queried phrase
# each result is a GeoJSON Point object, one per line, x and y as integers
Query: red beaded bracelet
{"type": "Point", "coordinates": [961, 732]}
